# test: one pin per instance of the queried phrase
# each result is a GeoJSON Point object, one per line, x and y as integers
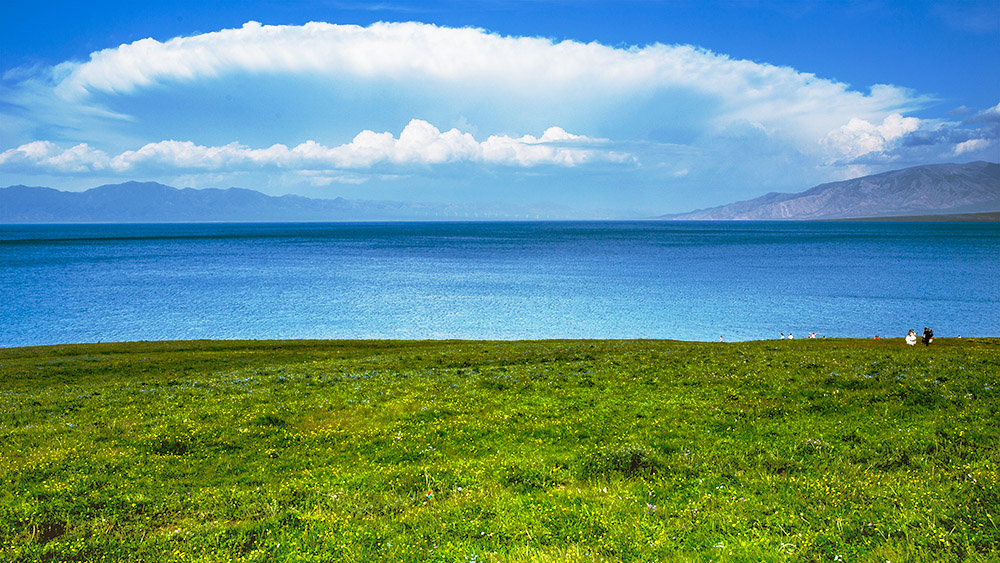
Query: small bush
{"type": "Point", "coordinates": [526, 479]}
{"type": "Point", "coordinates": [170, 445]}
{"type": "Point", "coordinates": [270, 420]}
{"type": "Point", "coordinates": [630, 461]}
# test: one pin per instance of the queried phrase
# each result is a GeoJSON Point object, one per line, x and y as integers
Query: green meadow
{"type": "Point", "coordinates": [805, 450]}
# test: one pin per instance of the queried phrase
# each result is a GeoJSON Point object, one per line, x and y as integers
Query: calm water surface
{"type": "Point", "coordinates": [690, 281]}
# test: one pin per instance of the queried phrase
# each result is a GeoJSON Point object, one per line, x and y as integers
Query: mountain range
{"type": "Point", "coordinates": [931, 190]}
{"type": "Point", "coordinates": [934, 189]}
{"type": "Point", "coordinates": [150, 202]}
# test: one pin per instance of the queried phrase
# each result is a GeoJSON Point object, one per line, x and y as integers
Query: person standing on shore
{"type": "Point", "coordinates": [928, 336]}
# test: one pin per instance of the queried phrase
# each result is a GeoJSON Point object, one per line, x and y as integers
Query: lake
{"type": "Point", "coordinates": [530, 280]}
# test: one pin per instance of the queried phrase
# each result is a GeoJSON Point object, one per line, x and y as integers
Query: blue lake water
{"type": "Point", "coordinates": [680, 280]}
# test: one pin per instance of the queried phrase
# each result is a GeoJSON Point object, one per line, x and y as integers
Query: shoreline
{"type": "Point", "coordinates": [985, 217]}
{"type": "Point", "coordinates": [298, 342]}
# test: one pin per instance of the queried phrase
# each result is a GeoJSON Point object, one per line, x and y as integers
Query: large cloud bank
{"type": "Point", "coordinates": [77, 117]}
{"type": "Point", "coordinates": [533, 70]}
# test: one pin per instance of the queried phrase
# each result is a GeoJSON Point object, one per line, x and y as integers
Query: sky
{"type": "Point", "coordinates": [629, 108]}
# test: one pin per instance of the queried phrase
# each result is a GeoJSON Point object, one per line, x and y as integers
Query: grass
{"type": "Point", "coordinates": [807, 450]}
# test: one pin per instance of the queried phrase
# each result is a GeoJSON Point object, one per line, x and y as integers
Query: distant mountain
{"type": "Point", "coordinates": [921, 190]}
{"type": "Point", "coordinates": [150, 202]}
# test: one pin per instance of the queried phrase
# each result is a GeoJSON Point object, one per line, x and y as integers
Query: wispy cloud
{"type": "Point", "coordinates": [976, 16]}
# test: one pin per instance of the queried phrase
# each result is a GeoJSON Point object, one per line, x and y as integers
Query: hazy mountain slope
{"type": "Point", "coordinates": [920, 190]}
{"type": "Point", "coordinates": [152, 202]}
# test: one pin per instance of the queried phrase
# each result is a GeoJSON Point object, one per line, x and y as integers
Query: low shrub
{"type": "Point", "coordinates": [630, 461]}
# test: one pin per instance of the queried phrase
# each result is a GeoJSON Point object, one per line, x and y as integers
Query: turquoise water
{"type": "Point", "coordinates": [681, 280]}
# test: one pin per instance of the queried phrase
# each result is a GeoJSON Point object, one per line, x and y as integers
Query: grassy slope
{"type": "Point", "coordinates": [513, 451]}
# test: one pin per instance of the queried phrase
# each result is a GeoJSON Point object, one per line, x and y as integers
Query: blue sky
{"type": "Point", "coordinates": [619, 107]}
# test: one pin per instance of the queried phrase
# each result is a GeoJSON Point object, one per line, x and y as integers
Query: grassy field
{"type": "Point", "coordinates": [806, 450]}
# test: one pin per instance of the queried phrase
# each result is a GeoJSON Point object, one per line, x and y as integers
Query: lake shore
{"type": "Point", "coordinates": [578, 450]}
{"type": "Point", "coordinates": [986, 217]}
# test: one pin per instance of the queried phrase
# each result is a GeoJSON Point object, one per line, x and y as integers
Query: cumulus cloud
{"type": "Point", "coordinates": [908, 140]}
{"type": "Point", "coordinates": [47, 155]}
{"type": "Point", "coordinates": [420, 143]}
{"type": "Point", "coordinates": [859, 137]}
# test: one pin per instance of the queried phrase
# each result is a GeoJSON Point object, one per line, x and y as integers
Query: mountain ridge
{"type": "Point", "coordinates": [919, 190]}
{"type": "Point", "coordinates": [928, 190]}
{"type": "Point", "coordinates": [152, 202]}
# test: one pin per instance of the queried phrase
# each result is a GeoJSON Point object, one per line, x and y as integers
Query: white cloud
{"type": "Point", "coordinates": [971, 145]}
{"type": "Point", "coordinates": [47, 155]}
{"type": "Point", "coordinates": [420, 143]}
{"type": "Point", "coordinates": [533, 74]}
{"type": "Point", "coordinates": [906, 141]}
{"type": "Point", "coordinates": [989, 115]}
{"type": "Point", "coordinates": [860, 137]}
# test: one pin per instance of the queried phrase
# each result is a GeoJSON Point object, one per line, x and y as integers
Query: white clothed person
{"type": "Point", "coordinates": [911, 338]}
